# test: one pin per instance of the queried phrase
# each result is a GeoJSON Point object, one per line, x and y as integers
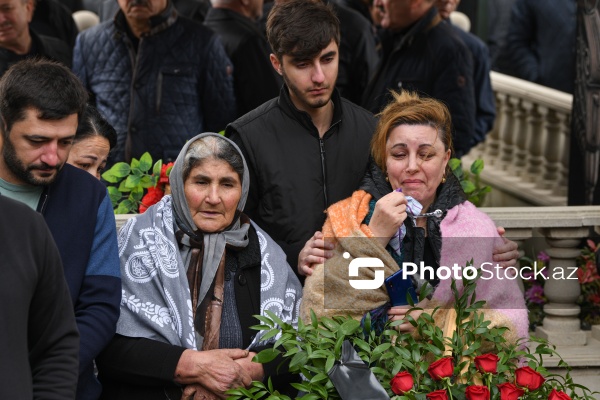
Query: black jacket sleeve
{"type": "Point", "coordinates": [139, 361]}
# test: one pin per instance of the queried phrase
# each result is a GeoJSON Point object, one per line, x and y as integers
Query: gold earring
{"type": "Point", "coordinates": [387, 179]}
{"type": "Point", "coordinates": [444, 178]}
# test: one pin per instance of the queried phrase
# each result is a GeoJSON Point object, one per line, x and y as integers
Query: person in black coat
{"type": "Point", "coordinates": [19, 41]}
{"type": "Point", "coordinates": [422, 54]}
{"type": "Point", "coordinates": [40, 344]}
{"type": "Point", "coordinates": [254, 80]}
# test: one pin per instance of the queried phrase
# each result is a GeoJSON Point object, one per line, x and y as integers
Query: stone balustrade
{"type": "Point", "coordinates": [526, 154]}
{"type": "Point", "coordinates": [563, 228]}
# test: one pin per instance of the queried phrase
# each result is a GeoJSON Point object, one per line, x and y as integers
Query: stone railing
{"type": "Point", "coordinates": [526, 154]}
{"type": "Point", "coordinates": [563, 229]}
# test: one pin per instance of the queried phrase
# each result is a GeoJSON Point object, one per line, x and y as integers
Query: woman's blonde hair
{"type": "Point", "coordinates": [408, 108]}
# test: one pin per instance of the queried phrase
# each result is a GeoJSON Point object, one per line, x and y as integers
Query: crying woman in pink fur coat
{"type": "Point", "coordinates": [410, 212]}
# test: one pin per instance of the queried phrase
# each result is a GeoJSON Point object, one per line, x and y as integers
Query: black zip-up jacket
{"type": "Point", "coordinates": [294, 174]}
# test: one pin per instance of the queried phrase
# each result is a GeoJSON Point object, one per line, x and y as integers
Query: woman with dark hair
{"type": "Point", "coordinates": [93, 141]}
{"type": "Point", "coordinates": [195, 272]}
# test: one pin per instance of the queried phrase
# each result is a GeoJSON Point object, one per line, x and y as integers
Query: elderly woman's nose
{"type": "Point", "coordinates": [212, 195]}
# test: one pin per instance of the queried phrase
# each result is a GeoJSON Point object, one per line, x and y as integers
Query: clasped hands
{"type": "Point", "coordinates": [209, 374]}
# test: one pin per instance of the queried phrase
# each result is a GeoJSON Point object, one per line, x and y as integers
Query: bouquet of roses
{"type": "Point", "coordinates": [473, 361]}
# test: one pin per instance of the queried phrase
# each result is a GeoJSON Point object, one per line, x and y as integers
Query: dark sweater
{"type": "Point", "coordinates": [39, 341]}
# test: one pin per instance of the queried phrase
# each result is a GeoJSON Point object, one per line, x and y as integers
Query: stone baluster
{"type": "Point", "coordinates": [553, 150]}
{"type": "Point", "coordinates": [537, 135]}
{"type": "Point", "coordinates": [491, 151]}
{"type": "Point", "coordinates": [519, 236]}
{"type": "Point", "coordinates": [563, 183]}
{"type": "Point", "coordinates": [561, 324]}
{"type": "Point", "coordinates": [507, 134]}
{"type": "Point", "coordinates": [524, 132]}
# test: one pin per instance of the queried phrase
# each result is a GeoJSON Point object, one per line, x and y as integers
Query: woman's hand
{"type": "Point", "coordinates": [198, 392]}
{"type": "Point", "coordinates": [507, 253]}
{"type": "Point", "coordinates": [216, 370]}
{"type": "Point", "coordinates": [315, 251]}
{"type": "Point", "coordinates": [399, 313]}
{"type": "Point", "coordinates": [388, 216]}
{"type": "Point", "coordinates": [256, 370]}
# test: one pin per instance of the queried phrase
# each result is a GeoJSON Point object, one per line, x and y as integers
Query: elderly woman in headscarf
{"type": "Point", "coordinates": [195, 271]}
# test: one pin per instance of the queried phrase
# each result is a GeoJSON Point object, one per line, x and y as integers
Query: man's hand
{"type": "Point", "coordinates": [507, 253]}
{"type": "Point", "coordinates": [315, 251]}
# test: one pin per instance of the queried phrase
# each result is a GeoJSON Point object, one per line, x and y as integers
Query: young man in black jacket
{"type": "Point", "coordinates": [308, 148]}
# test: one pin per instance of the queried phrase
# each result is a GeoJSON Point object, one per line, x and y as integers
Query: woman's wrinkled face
{"type": "Point", "coordinates": [213, 190]}
{"type": "Point", "coordinates": [416, 161]}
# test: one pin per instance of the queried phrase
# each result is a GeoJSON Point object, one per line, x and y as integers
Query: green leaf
{"type": "Point", "coordinates": [266, 355]}
{"type": "Point", "coordinates": [270, 334]}
{"type": "Point", "coordinates": [135, 163]}
{"type": "Point", "coordinates": [145, 162]}
{"type": "Point", "coordinates": [467, 186]}
{"type": "Point", "coordinates": [157, 168]}
{"type": "Point", "coordinates": [114, 195]}
{"type": "Point", "coordinates": [122, 209]}
{"type": "Point", "coordinates": [123, 187]}
{"type": "Point", "coordinates": [132, 181]}
{"type": "Point", "coordinates": [299, 359]}
{"type": "Point", "coordinates": [146, 182]}
{"type": "Point", "coordinates": [454, 163]}
{"type": "Point", "coordinates": [329, 363]}
{"type": "Point", "coordinates": [349, 327]}
{"type": "Point", "coordinates": [477, 166]}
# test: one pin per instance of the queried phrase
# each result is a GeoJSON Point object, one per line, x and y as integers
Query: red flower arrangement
{"type": "Point", "coordinates": [527, 380]}
{"type": "Point", "coordinates": [157, 192]}
{"type": "Point", "coordinates": [136, 186]}
{"type": "Point", "coordinates": [436, 364]}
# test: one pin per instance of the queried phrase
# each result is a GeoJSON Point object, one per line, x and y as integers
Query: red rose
{"type": "Point", "coordinates": [477, 393]}
{"type": "Point", "coordinates": [508, 391]}
{"type": "Point", "coordinates": [558, 395]}
{"type": "Point", "coordinates": [487, 363]}
{"type": "Point", "coordinates": [165, 171]}
{"type": "Point", "coordinates": [528, 378]}
{"type": "Point", "coordinates": [442, 368]}
{"type": "Point", "coordinates": [152, 197]}
{"type": "Point", "coordinates": [438, 395]}
{"type": "Point", "coordinates": [402, 382]}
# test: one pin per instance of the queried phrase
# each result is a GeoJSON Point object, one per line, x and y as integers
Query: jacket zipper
{"type": "Point", "coordinates": [323, 171]}
{"type": "Point", "coordinates": [323, 167]}
{"type": "Point", "coordinates": [134, 64]}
